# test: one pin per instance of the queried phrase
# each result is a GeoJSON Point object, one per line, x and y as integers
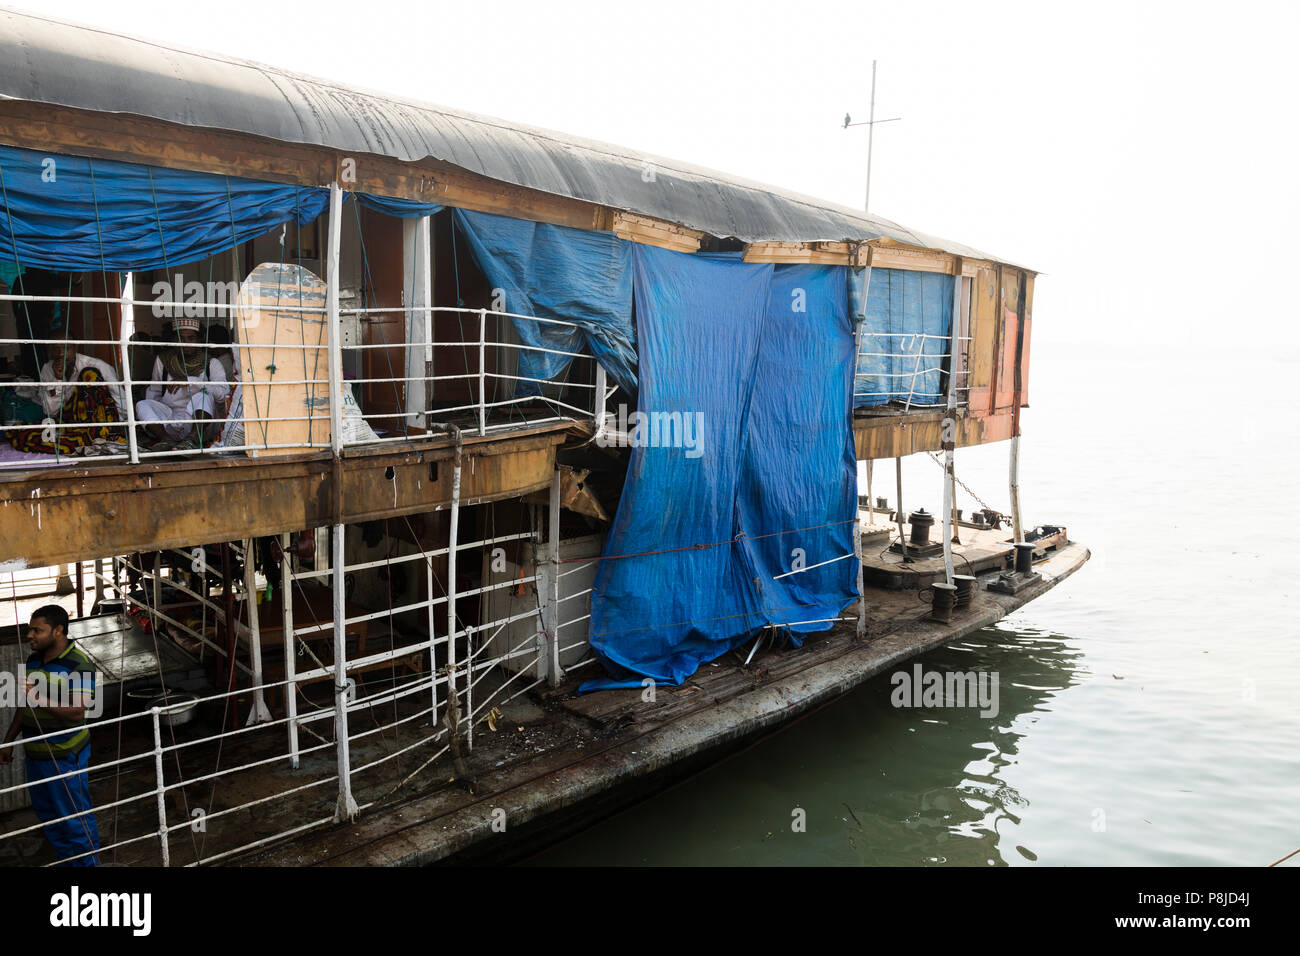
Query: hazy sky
{"type": "Point", "coordinates": [1142, 156]}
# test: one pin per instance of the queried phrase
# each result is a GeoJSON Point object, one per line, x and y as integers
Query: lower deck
{"type": "Point", "coordinates": [543, 760]}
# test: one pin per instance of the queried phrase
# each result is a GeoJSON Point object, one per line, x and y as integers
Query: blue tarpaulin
{"type": "Point", "coordinates": [762, 482]}
{"type": "Point", "coordinates": [904, 336]}
{"type": "Point", "coordinates": [798, 491]}
{"type": "Point", "coordinates": [70, 214]}
{"type": "Point", "coordinates": [559, 273]}
{"type": "Point", "coordinates": [401, 208]}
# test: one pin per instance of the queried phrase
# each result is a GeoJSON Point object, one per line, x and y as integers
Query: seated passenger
{"type": "Point", "coordinates": [195, 389]}
{"type": "Point", "coordinates": [91, 409]}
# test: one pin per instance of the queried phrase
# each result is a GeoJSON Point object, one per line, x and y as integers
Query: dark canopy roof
{"type": "Point", "coordinates": [49, 61]}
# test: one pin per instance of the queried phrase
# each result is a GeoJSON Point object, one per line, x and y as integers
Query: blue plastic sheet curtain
{"type": "Point", "coordinates": [555, 272]}
{"type": "Point", "coordinates": [72, 214]}
{"type": "Point", "coordinates": [799, 490]}
{"type": "Point", "coordinates": [904, 336]}
{"type": "Point", "coordinates": [755, 362]}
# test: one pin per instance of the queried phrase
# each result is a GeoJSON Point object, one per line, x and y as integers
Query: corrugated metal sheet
{"type": "Point", "coordinates": [50, 61]}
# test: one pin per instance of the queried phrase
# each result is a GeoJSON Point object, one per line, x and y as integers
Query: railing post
{"type": "Point", "coordinates": [949, 435]}
{"type": "Point", "coordinates": [159, 791]}
{"type": "Point", "coordinates": [859, 320]}
{"type": "Point", "coordinates": [290, 647]}
{"type": "Point", "coordinates": [332, 306]}
{"type": "Point", "coordinates": [433, 644]}
{"type": "Point", "coordinates": [861, 633]}
{"type": "Point", "coordinates": [598, 407]}
{"type": "Point", "coordinates": [453, 538]}
{"type": "Point", "coordinates": [346, 807]}
{"type": "Point", "coordinates": [482, 371]}
{"type": "Point", "coordinates": [417, 296]}
{"type": "Point", "coordinates": [1017, 531]}
{"type": "Point", "coordinates": [553, 598]}
{"type": "Point", "coordinates": [258, 712]}
{"type": "Point", "coordinates": [127, 329]}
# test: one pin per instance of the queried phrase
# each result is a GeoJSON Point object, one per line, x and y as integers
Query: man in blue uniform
{"type": "Point", "coordinates": [61, 685]}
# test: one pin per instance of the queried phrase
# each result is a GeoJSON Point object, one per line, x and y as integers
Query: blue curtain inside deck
{"type": "Point", "coordinates": [399, 208]}
{"type": "Point", "coordinates": [724, 344]}
{"type": "Point", "coordinates": [555, 272]}
{"type": "Point", "coordinates": [903, 340]}
{"type": "Point", "coordinates": [70, 214]}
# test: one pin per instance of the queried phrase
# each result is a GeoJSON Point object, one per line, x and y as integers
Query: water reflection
{"type": "Point", "coordinates": [877, 784]}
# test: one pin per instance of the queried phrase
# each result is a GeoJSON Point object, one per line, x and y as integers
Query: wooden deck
{"type": "Point", "coordinates": [79, 512]}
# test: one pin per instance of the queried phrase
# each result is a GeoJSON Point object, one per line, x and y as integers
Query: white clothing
{"type": "Point", "coordinates": [204, 393]}
{"type": "Point", "coordinates": [54, 397]}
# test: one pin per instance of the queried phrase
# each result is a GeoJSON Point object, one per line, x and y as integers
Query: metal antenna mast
{"type": "Point", "coordinates": [870, 124]}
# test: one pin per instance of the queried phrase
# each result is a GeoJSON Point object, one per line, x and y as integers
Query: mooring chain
{"type": "Point", "coordinates": [965, 487]}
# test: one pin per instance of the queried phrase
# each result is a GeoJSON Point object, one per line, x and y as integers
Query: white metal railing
{"type": "Point", "coordinates": [253, 413]}
{"type": "Point", "coordinates": [910, 354]}
{"type": "Point", "coordinates": [156, 770]}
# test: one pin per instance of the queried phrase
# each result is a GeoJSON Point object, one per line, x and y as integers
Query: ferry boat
{"type": "Point", "coordinates": [526, 479]}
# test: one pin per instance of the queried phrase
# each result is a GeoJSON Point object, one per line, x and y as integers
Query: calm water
{"type": "Point", "coordinates": [1148, 704]}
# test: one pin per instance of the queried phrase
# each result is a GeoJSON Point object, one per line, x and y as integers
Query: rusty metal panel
{"type": "Point", "coordinates": [895, 435]}
{"type": "Point", "coordinates": [1008, 339]}
{"type": "Point", "coordinates": [75, 514]}
{"type": "Point", "coordinates": [1024, 345]}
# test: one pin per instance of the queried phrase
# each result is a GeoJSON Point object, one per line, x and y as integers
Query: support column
{"type": "Point", "coordinates": [231, 708]}
{"type": "Point", "coordinates": [553, 597]}
{"type": "Point", "coordinates": [290, 646]}
{"type": "Point", "coordinates": [857, 553]}
{"type": "Point", "coordinates": [1017, 531]}
{"type": "Point", "coordinates": [418, 269]}
{"type": "Point", "coordinates": [949, 435]}
{"type": "Point", "coordinates": [482, 371]}
{"type": "Point", "coordinates": [332, 309]}
{"type": "Point", "coordinates": [259, 712]}
{"type": "Point", "coordinates": [902, 538]}
{"type": "Point", "coordinates": [346, 806]}
{"type": "Point", "coordinates": [598, 405]}
{"type": "Point", "coordinates": [453, 540]}
{"type": "Point", "coordinates": [124, 339]}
